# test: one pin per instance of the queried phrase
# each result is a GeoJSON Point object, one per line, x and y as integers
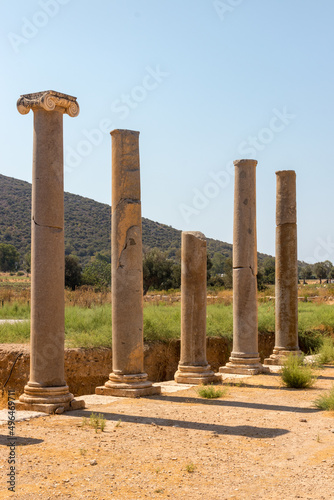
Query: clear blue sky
{"type": "Point", "coordinates": [205, 82]}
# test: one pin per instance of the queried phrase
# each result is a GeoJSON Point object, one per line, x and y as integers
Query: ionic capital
{"type": "Point", "coordinates": [48, 100]}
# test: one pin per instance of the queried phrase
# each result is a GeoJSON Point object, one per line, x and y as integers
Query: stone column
{"type": "Point", "coordinates": [244, 357]}
{"type": "Point", "coordinates": [127, 377]}
{"type": "Point", "coordinates": [47, 390]}
{"type": "Point", "coordinates": [193, 366]}
{"type": "Point", "coordinates": [286, 269]}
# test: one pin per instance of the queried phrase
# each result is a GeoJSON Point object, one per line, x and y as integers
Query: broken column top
{"type": "Point", "coordinates": [123, 131]}
{"type": "Point", "coordinates": [125, 167]}
{"type": "Point", "coordinates": [195, 234]}
{"type": "Point", "coordinates": [49, 100]}
{"type": "Point", "coordinates": [245, 163]}
{"type": "Point", "coordinates": [286, 211]}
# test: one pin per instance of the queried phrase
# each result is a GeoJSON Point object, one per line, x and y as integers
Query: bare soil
{"type": "Point", "coordinates": [259, 441]}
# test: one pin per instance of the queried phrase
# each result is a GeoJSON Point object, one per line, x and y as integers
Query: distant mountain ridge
{"type": "Point", "coordinates": [87, 225]}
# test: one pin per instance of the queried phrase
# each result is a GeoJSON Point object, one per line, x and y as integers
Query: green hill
{"type": "Point", "coordinates": [87, 225]}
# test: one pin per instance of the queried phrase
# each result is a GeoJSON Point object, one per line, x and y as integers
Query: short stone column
{"type": "Point", "coordinates": [286, 269]}
{"type": "Point", "coordinates": [127, 377]}
{"type": "Point", "coordinates": [193, 366]}
{"type": "Point", "coordinates": [47, 390]}
{"type": "Point", "coordinates": [245, 356]}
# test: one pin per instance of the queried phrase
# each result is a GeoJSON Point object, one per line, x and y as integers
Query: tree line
{"type": "Point", "coordinates": [160, 270]}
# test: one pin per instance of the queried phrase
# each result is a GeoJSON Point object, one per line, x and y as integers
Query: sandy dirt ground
{"type": "Point", "coordinates": [259, 441]}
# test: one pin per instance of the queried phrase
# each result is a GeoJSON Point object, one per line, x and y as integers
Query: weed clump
{"type": "Point", "coordinates": [97, 421]}
{"type": "Point", "coordinates": [325, 353]}
{"type": "Point", "coordinates": [295, 374]}
{"type": "Point", "coordinates": [326, 401]}
{"type": "Point", "coordinates": [210, 392]}
{"type": "Point", "coordinates": [190, 467]}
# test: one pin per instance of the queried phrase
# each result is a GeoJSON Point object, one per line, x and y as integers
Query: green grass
{"type": "Point", "coordinates": [295, 374]}
{"type": "Point", "coordinates": [315, 316]}
{"type": "Point", "coordinates": [91, 327]}
{"type": "Point", "coordinates": [88, 327]}
{"type": "Point", "coordinates": [219, 321]}
{"type": "Point", "coordinates": [17, 333]}
{"type": "Point", "coordinates": [14, 310]}
{"type": "Point", "coordinates": [162, 322]}
{"type": "Point", "coordinates": [326, 401]}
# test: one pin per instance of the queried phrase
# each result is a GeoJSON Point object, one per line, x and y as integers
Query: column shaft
{"type": "Point", "coordinates": [244, 357]}
{"type": "Point", "coordinates": [128, 377]}
{"type": "Point", "coordinates": [193, 366]}
{"type": "Point", "coordinates": [286, 269]}
{"type": "Point", "coordinates": [47, 252]}
{"type": "Point", "coordinates": [47, 389]}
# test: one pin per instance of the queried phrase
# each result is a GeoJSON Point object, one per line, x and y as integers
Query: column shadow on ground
{"type": "Point", "coordinates": [237, 430]}
{"type": "Point", "coordinates": [235, 404]}
{"type": "Point", "coordinates": [19, 441]}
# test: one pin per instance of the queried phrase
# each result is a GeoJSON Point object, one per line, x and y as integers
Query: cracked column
{"type": "Point", "coordinates": [244, 357]}
{"type": "Point", "coordinates": [47, 390]}
{"type": "Point", "coordinates": [193, 367]}
{"type": "Point", "coordinates": [286, 269]}
{"type": "Point", "coordinates": [127, 377]}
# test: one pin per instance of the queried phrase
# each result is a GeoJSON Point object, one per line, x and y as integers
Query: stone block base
{"type": "Point", "coordinates": [124, 385]}
{"type": "Point", "coordinates": [279, 356]}
{"type": "Point", "coordinates": [242, 366]}
{"type": "Point", "coordinates": [241, 370]}
{"type": "Point", "coordinates": [128, 392]}
{"type": "Point", "coordinates": [196, 375]}
{"type": "Point", "coordinates": [49, 408]}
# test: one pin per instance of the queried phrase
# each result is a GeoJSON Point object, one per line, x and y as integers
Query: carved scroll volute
{"type": "Point", "coordinates": [49, 101]}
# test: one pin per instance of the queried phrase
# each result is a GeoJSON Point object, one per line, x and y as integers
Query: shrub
{"type": "Point", "coordinates": [210, 392]}
{"type": "Point", "coordinates": [326, 401]}
{"type": "Point", "coordinates": [295, 374]}
{"type": "Point", "coordinates": [325, 353]}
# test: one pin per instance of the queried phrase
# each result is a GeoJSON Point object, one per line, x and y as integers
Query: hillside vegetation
{"type": "Point", "coordinates": [87, 225]}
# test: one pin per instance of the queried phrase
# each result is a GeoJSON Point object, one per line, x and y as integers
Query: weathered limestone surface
{"type": "Point", "coordinates": [193, 367]}
{"type": "Point", "coordinates": [127, 377]}
{"type": "Point", "coordinates": [47, 387]}
{"type": "Point", "coordinates": [286, 269]}
{"type": "Point", "coordinates": [245, 356]}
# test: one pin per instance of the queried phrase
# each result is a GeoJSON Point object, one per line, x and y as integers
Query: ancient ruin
{"type": "Point", "coordinates": [47, 390]}
{"type": "Point", "coordinates": [286, 269]}
{"type": "Point", "coordinates": [244, 358]}
{"type": "Point", "coordinates": [127, 377]}
{"type": "Point", "coordinates": [193, 367]}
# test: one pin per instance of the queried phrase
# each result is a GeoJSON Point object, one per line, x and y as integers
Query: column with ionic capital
{"type": "Point", "coordinates": [193, 367]}
{"type": "Point", "coordinates": [46, 389]}
{"type": "Point", "coordinates": [244, 358]}
{"type": "Point", "coordinates": [127, 377]}
{"type": "Point", "coordinates": [286, 269]}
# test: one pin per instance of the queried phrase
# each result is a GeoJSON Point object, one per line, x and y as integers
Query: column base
{"type": "Point", "coordinates": [279, 355]}
{"type": "Point", "coordinates": [47, 399]}
{"type": "Point", "coordinates": [191, 374]}
{"type": "Point", "coordinates": [242, 366]}
{"type": "Point", "coordinates": [128, 386]}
